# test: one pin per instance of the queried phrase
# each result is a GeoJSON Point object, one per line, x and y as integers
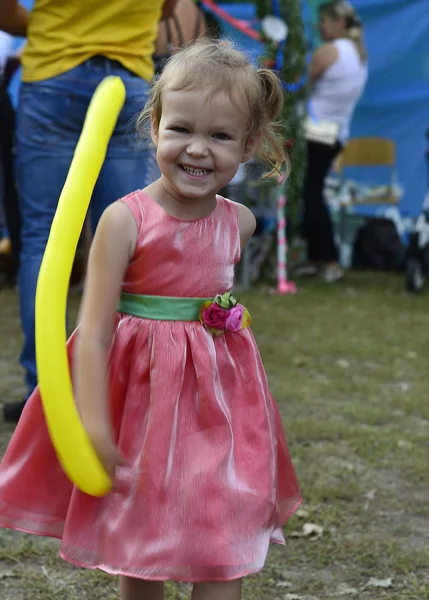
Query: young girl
{"type": "Point", "coordinates": [168, 379]}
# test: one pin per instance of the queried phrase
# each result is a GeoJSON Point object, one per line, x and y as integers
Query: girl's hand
{"type": "Point", "coordinates": [108, 453]}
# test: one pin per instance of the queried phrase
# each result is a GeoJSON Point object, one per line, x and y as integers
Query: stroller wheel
{"type": "Point", "coordinates": [414, 278]}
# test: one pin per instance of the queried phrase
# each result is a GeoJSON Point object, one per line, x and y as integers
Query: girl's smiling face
{"type": "Point", "coordinates": [201, 139]}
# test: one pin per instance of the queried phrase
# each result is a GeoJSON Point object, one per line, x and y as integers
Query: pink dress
{"type": "Point", "coordinates": [210, 480]}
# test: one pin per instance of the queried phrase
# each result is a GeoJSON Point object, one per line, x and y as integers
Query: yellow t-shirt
{"type": "Point", "coordinates": [64, 33]}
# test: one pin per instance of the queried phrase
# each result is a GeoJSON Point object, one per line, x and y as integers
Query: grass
{"type": "Point", "coordinates": [348, 367]}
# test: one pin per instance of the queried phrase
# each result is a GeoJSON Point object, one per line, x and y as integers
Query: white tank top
{"type": "Point", "coordinates": [336, 93]}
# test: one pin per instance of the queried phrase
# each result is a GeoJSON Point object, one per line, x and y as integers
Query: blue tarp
{"type": "Point", "coordinates": [396, 101]}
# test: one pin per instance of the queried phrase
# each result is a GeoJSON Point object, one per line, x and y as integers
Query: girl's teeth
{"type": "Point", "coordinates": [195, 172]}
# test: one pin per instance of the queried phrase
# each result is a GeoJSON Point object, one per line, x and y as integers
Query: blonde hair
{"type": "Point", "coordinates": [218, 65]}
{"type": "Point", "coordinates": [341, 9]}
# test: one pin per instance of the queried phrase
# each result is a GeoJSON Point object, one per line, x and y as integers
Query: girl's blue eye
{"type": "Point", "coordinates": [180, 129]}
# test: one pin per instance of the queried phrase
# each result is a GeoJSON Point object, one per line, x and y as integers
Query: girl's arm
{"type": "Point", "coordinates": [111, 251]}
{"type": "Point", "coordinates": [322, 59]}
{"type": "Point", "coordinates": [168, 9]}
{"type": "Point", "coordinates": [246, 223]}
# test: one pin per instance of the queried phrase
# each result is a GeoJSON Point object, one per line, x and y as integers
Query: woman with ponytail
{"type": "Point", "coordinates": [338, 73]}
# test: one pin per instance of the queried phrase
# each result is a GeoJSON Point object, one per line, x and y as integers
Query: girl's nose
{"type": "Point", "coordinates": [197, 147]}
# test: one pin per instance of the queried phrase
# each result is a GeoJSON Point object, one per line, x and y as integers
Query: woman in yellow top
{"type": "Point", "coordinates": [71, 46]}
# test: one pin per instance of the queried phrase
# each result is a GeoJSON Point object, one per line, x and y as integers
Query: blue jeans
{"type": "Point", "coordinates": [49, 121]}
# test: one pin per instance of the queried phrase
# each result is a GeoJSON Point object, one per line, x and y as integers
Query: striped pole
{"type": "Point", "coordinates": [283, 285]}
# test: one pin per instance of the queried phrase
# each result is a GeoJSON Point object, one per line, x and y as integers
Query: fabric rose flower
{"type": "Point", "coordinates": [224, 314]}
{"type": "Point", "coordinates": [235, 318]}
{"type": "Point", "coordinates": [215, 317]}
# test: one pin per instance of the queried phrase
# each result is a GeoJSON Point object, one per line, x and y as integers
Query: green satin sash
{"type": "Point", "coordinates": [161, 308]}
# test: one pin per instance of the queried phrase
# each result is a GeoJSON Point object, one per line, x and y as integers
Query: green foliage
{"type": "Point", "coordinates": [293, 68]}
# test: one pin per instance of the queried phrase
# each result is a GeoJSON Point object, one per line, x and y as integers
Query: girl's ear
{"type": "Point", "coordinates": [250, 146]}
{"type": "Point", "coordinates": [154, 128]}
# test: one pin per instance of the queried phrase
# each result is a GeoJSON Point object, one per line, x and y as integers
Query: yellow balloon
{"type": "Point", "coordinates": [72, 445]}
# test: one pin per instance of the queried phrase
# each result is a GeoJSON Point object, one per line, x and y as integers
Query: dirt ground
{"type": "Point", "coordinates": [348, 366]}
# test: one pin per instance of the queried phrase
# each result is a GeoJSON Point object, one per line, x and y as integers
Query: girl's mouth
{"type": "Point", "coordinates": [194, 171]}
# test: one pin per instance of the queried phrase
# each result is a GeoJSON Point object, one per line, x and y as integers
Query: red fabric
{"type": "Point", "coordinates": [210, 480]}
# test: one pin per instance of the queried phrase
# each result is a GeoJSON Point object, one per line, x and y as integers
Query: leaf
{"type": "Point", "coordinates": [226, 300]}
{"type": "Point", "coordinates": [343, 363]}
{"type": "Point", "coordinates": [370, 494]}
{"type": "Point", "coordinates": [404, 444]}
{"type": "Point", "coordinates": [310, 530]}
{"type": "Point", "coordinates": [299, 361]}
{"type": "Point", "coordinates": [344, 590]}
{"type": "Point", "coordinates": [247, 319]}
{"type": "Point", "coordinates": [6, 573]}
{"type": "Point", "coordinates": [379, 583]}
{"type": "Point", "coordinates": [403, 386]}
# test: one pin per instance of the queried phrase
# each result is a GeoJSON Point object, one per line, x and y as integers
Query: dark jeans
{"type": "Point", "coordinates": [8, 192]}
{"type": "Point", "coordinates": [49, 122]}
{"type": "Point", "coordinates": [317, 225]}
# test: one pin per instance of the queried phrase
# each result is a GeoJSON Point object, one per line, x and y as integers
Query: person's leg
{"type": "Point", "coordinates": [217, 590]}
{"type": "Point", "coordinates": [138, 589]}
{"type": "Point", "coordinates": [8, 263]}
{"type": "Point", "coordinates": [47, 131]}
{"type": "Point", "coordinates": [8, 256]}
{"type": "Point", "coordinates": [49, 122]}
{"type": "Point", "coordinates": [317, 224]}
{"type": "Point", "coordinates": [2, 207]}
{"type": "Point", "coordinates": [11, 208]}
{"type": "Point", "coordinates": [129, 163]}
